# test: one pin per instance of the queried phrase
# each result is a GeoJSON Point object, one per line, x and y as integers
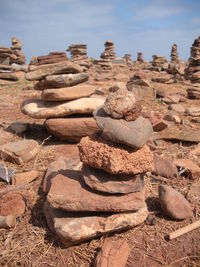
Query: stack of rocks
{"type": "Point", "coordinates": [79, 54]}
{"type": "Point", "coordinates": [53, 57]}
{"type": "Point", "coordinates": [140, 57]}
{"type": "Point", "coordinates": [62, 96]}
{"type": "Point", "coordinates": [128, 60]}
{"type": "Point", "coordinates": [18, 56]}
{"type": "Point", "coordinates": [109, 52]}
{"type": "Point", "coordinates": [159, 63]}
{"type": "Point", "coordinates": [108, 194]}
{"type": "Point", "coordinates": [174, 54]}
{"type": "Point", "coordinates": [193, 70]}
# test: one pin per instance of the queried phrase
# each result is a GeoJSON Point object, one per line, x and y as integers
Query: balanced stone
{"type": "Point", "coordinates": [114, 159]}
{"type": "Point", "coordinates": [49, 69]}
{"type": "Point", "coordinates": [42, 110]}
{"type": "Point", "coordinates": [74, 228]}
{"type": "Point", "coordinates": [131, 133]}
{"type": "Point", "coordinates": [104, 182]}
{"type": "Point", "coordinates": [72, 129]}
{"type": "Point", "coordinates": [62, 80]}
{"type": "Point", "coordinates": [68, 93]}
{"type": "Point", "coordinates": [69, 192]}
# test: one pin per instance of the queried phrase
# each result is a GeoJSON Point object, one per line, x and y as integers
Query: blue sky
{"type": "Point", "coordinates": [150, 26]}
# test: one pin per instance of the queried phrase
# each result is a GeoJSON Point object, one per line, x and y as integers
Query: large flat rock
{"type": "Point", "coordinates": [131, 133]}
{"type": "Point", "coordinates": [68, 93]}
{"type": "Point", "coordinates": [42, 110]}
{"type": "Point", "coordinates": [186, 134]}
{"type": "Point", "coordinates": [19, 151]}
{"type": "Point", "coordinates": [102, 181]}
{"type": "Point", "coordinates": [72, 129]}
{"type": "Point", "coordinates": [62, 80]}
{"type": "Point", "coordinates": [115, 159]}
{"type": "Point", "coordinates": [74, 229]}
{"type": "Point", "coordinates": [69, 192]}
{"type": "Point", "coordinates": [56, 68]}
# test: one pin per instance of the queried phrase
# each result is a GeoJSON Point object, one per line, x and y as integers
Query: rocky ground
{"type": "Point", "coordinates": [31, 243]}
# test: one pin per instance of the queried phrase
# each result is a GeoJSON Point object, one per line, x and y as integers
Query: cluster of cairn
{"type": "Point", "coordinates": [11, 59]}
{"type": "Point", "coordinates": [106, 192]}
{"type": "Point", "coordinates": [193, 70]}
{"type": "Point", "coordinates": [63, 95]}
{"type": "Point", "coordinates": [53, 57]}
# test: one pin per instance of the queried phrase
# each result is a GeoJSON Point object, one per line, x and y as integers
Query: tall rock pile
{"type": "Point", "coordinates": [63, 95]}
{"type": "Point", "coordinates": [109, 52]}
{"type": "Point", "coordinates": [193, 70]}
{"type": "Point", "coordinates": [79, 54]}
{"type": "Point", "coordinates": [18, 56]}
{"type": "Point", "coordinates": [159, 63]}
{"type": "Point", "coordinates": [140, 57]}
{"type": "Point", "coordinates": [128, 60]}
{"type": "Point", "coordinates": [53, 57]}
{"type": "Point", "coordinates": [174, 54]}
{"type": "Point", "coordinates": [108, 194]}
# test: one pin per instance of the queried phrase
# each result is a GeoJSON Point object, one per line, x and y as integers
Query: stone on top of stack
{"type": "Point", "coordinates": [53, 57]}
{"type": "Point", "coordinates": [107, 193]}
{"type": "Point", "coordinates": [63, 95]}
{"type": "Point", "coordinates": [159, 62]}
{"type": "Point", "coordinates": [193, 70]}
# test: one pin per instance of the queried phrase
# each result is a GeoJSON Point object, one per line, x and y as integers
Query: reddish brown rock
{"type": "Point", "coordinates": [165, 167]}
{"type": "Point", "coordinates": [25, 177]}
{"type": "Point", "coordinates": [69, 192]}
{"type": "Point", "coordinates": [173, 203]}
{"type": "Point", "coordinates": [191, 169]}
{"type": "Point", "coordinates": [113, 254]}
{"type": "Point", "coordinates": [114, 159]}
{"type": "Point", "coordinates": [12, 204]}
{"type": "Point", "coordinates": [186, 134]}
{"type": "Point", "coordinates": [101, 181]}
{"type": "Point", "coordinates": [72, 129]}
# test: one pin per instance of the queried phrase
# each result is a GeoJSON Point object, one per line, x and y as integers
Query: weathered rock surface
{"type": "Point", "coordinates": [73, 229]}
{"type": "Point", "coordinates": [193, 111]}
{"type": "Point", "coordinates": [50, 69]}
{"type": "Point", "coordinates": [43, 110]}
{"type": "Point", "coordinates": [113, 253]}
{"type": "Point", "coordinates": [12, 203]}
{"type": "Point", "coordinates": [193, 93]}
{"type": "Point", "coordinates": [185, 134]}
{"type": "Point", "coordinates": [19, 151]}
{"type": "Point", "coordinates": [121, 104]}
{"type": "Point", "coordinates": [177, 108]}
{"type": "Point", "coordinates": [69, 192]}
{"type": "Point", "coordinates": [132, 133]}
{"type": "Point", "coordinates": [165, 167]}
{"type": "Point", "coordinates": [72, 129]}
{"type": "Point", "coordinates": [101, 181]}
{"type": "Point", "coordinates": [24, 177]}
{"type": "Point", "coordinates": [19, 127]}
{"type": "Point", "coordinates": [67, 93]}
{"type": "Point", "coordinates": [192, 170]}
{"type": "Point", "coordinates": [114, 159]}
{"type": "Point", "coordinates": [173, 203]}
{"type": "Point", "coordinates": [8, 76]}
{"type": "Point", "coordinates": [62, 80]}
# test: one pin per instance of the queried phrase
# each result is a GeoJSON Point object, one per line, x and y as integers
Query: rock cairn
{"type": "Point", "coordinates": [193, 70]}
{"type": "Point", "coordinates": [53, 57]}
{"type": "Point", "coordinates": [11, 59]}
{"type": "Point", "coordinates": [174, 54]}
{"type": "Point", "coordinates": [128, 60]}
{"type": "Point", "coordinates": [109, 52]}
{"type": "Point", "coordinates": [108, 194]}
{"type": "Point", "coordinates": [159, 63]}
{"type": "Point", "coordinates": [63, 95]}
{"type": "Point", "coordinates": [79, 54]}
{"type": "Point", "coordinates": [140, 57]}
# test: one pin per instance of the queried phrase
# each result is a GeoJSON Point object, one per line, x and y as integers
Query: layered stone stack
{"type": "Point", "coordinates": [193, 70]}
{"type": "Point", "coordinates": [79, 54]}
{"type": "Point", "coordinates": [108, 194]}
{"type": "Point", "coordinates": [140, 57]}
{"type": "Point", "coordinates": [128, 60]}
{"type": "Point", "coordinates": [109, 52]}
{"type": "Point", "coordinates": [53, 57]}
{"type": "Point", "coordinates": [174, 54]}
{"type": "Point", "coordinates": [159, 63]}
{"type": "Point", "coordinates": [63, 95]}
{"type": "Point", "coordinates": [18, 56]}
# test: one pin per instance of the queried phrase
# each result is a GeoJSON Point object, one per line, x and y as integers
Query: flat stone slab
{"type": "Point", "coordinates": [72, 129]}
{"type": "Point", "coordinates": [115, 159]}
{"type": "Point", "coordinates": [131, 133]}
{"type": "Point", "coordinates": [101, 181]}
{"type": "Point", "coordinates": [56, 68]}
{"type": "Point", "coordinates": [76, 228]}
{"type": "Point", "coordinates": [68, 93]}
{"type": "Point", "coordinates": [186, 135]}
{"type": "Point", "coordinates": [42, 110]}
{"type": "Point", "coordinates": [20, 151]}
{"type": "Point", "coordinates": [69, 192]}
{"type": "Point", "coordinates": [61, 80]}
